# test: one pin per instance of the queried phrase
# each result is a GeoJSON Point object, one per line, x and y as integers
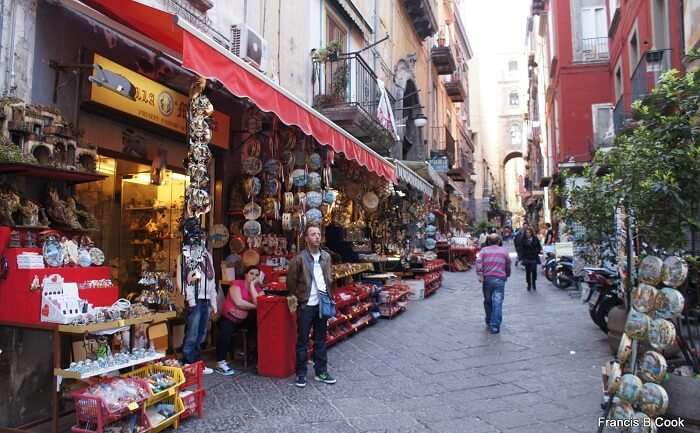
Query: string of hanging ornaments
{"type": "Point", "coordinates": [196, 266]}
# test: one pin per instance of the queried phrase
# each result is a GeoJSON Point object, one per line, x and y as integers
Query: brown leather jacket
{"type": "Point", "coordinates": [299, 278]}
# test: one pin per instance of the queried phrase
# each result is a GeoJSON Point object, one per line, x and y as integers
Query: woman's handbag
{"type": "Point", "coordinates": [326, 306]}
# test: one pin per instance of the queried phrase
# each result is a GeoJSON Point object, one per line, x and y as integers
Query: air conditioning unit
{"type": "Point", "coordinates": [248, 45]}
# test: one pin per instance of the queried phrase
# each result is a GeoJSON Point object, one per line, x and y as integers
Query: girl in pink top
{"type": "Point", "coordinates": [241, 300]}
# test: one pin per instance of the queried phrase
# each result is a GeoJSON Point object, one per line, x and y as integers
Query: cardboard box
{"type": "Point", "coordinates": [417, 289]}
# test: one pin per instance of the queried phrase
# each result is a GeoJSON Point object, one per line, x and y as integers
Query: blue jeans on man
{"type": "Point", "coordinates": [195, 330]}
{"type": "Point", "coordinates": [307, 317]}
{"type": "Point", "coordinates": [494, 291]}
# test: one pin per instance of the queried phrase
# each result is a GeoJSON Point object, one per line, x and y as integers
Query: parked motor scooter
{"type": "Point", "coordinates": [563, 276]}
{"type": "Point", "coordinates": [600, 289]}
{"type": "Point", "coordinates": [550, 265]}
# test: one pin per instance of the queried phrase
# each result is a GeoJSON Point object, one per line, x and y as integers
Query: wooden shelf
{"type": "Point", "coordinates": [68, 374]}
{"type": "Point", "coordinates": [50, 173]}
{"type": "Point", "coordinates": [95, 327]}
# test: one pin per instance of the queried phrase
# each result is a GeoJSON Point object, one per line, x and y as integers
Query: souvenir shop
{"type": "Point", "coordinates": [97, 176]}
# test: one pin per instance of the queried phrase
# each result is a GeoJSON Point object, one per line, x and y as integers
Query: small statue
{"type": "Point", "coordinates": [87, 220]}
{"type": "Point", "coordinates": [29, 213]}
{"type": "Point", "coordinates": [60, 212]}
{"type": "Point", "coordinates": [9, 204]}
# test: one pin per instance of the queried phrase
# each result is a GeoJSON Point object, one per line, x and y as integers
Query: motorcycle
{"type": "Point", "coordinates": [550, 265]}
{"type": "Point", "coordinates": [564, 272]}
{"type": "Point", "coordinates": [600, 289]}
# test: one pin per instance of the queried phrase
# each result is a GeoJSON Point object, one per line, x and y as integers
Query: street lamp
{"type": "Point", "coordinates": [420, 120]}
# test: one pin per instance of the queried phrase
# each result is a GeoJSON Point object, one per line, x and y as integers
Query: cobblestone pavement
{"type": "Point", "coordinates": [436, 369]}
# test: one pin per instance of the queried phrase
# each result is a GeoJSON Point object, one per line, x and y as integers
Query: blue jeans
{"type": "Point", "coordinates": [306, 318]}
{"type": "Point", "coordinates": [493, 301]}
{"type": "Point", "coordinates": [195, 330]}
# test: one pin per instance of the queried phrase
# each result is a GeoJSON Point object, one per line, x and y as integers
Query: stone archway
{"type": "Point", "coordinates": [512, 155]}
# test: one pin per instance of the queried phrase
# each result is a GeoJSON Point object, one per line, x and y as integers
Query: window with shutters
{"type": "Point", "coordinates": [603, 127]}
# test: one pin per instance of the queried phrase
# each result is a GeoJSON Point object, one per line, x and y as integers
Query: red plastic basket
{"type": "Point", "coordinates": [92, 412]}
{"type": "Point", "coordinates": [194, 403]}
{"type": "Point", "coordinates": [193, 374]}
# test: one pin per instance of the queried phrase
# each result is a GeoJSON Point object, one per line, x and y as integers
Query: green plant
{"type": "Point", "coordinates": [339, 81]}
{"type": "Point", "coordinates": [483, 226]}
{"type": "Point", "coordinates": [329, 52]}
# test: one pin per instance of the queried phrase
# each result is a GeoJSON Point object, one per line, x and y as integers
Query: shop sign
{"type": "Point", "coordinates": [440, 164]}
{"type": "Point", "coordinates": [155, 103]}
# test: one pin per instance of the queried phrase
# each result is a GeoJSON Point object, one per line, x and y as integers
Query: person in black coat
{"type": "Point", "coordinates": [530, 249]}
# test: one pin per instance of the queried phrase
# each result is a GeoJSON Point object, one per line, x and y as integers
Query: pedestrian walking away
{"type": "Point", "coordinates": [309, 278]}
{"type": "Point", "coordinates": [530, 249]}
{"type": "Point", "coordinates": [518, 241]}
{"type": "Point", "coordinates": [493, 269]}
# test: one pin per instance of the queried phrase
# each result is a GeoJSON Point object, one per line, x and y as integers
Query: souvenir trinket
{"type": "Point", "coordinates": [252, 211]}
{"type": "Point", "coordinates": [273, 167]}
{"type": "Point", "coordinates": [621, 411]}
{"type": "Point", "coordinates": [313, 181]}
{"type": "Point", "coordinates": [15, 240]}
{"type": "Point", "coordinates": [641, 423]}
{"type": "Point", "coordinates": [614, 375]}
{"type": "Point", "coordinates": [630, 388]}
{"type": "Point", "coordinates": [662, 334]}
{"type": "Point", "coordinates": [675, 271]}
{"type": "Point", "coordinates": [650, 270]}
{"type": "Point", "coordinates": [30, 240]}
{"type": "Point", "coordinates": [97, 256]}
{"type": "Point", "coordinates": [252, 166]}
{"type": "Point", "coordinates": [624, 350]}
{"type": "Point", "coordinates": [669, 303]}
{"type": "Point", "coordinates": [429, 243]}
{"type": "Point", "coordinates": [299, 177]}
{"type": "Point", "coordinates": [218, 236]}
{"type": "Point", "coordinates": [652, 367]}
{"type": "Point", "coordinates": [250, 258]}
{"type": "Point", "coordinates": [314, 161]}
{"type": "Point", "coordinates": [314, 216]}
{"type": "Point", "coordinates": [653, 400]}
{"type": "Point", "coordinates": [70, 249]}
{"type": "Point", "coordinates": [643, 298]}
{"type": "Point", "coordinates": [314, 199]}
{"type": "Point", "coordinates": [370, 201]}
{"type": "Point", "coordinates": [251, 228]}
{"type": "Point", "coordinates": [84, 258]}
{"type": "Point", "coordinates": [237, 244]}
{"type": "Point", "coordinates": [252, 186]}
{"type": "Point", "coordinates": [637, 324]}
{"type": "Point", "coordinates": [52, 251]}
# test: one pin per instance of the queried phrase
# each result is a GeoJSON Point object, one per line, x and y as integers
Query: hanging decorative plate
{"type": "Point", "coordinates": [237, 244]}
{"type": "Point", "coordinates": [198, 202]}
{"type": "Point", "coordinates": [621, 411]}
{"type": "Point", "coordinates": [675, 271]}
{"type": "Point", "coordinates": [653, 400]}
{"type": "Point", "coordinates": [652, 367]}
{"type": "Point", "coordinates": [218, 236]}
{"type": "Point", "coordinates": [252, 186]}
{"type": "Point", "coordinates": [273, 167]}
{"type": "Point", "coordinates": [84, 258]}
{"type": "Point", "coordinates": [314, 199]}
{"type": "Point", "coordinates": [669, 303]}
{"type": "Point", "coordinates": [624, 350]}
{"type": "Point", "coordinates": [252, 166]}
{"type": "Point", "coordinates": [250, 258]}
{"type": "Point", "coordinates": [251, 228]}
{"type": "Point", "coordinates": [53, 252]}
{"type": "Point", "coordinates": [313, 181]}
{"type": "Point", "coordinates": [370, 201]}
{"type": "Point", "coordinates": [637, 324]}
{"type": "Point", "coordinates": [630, 388]}
{"type": "Point", "coordinates": [429, 243]}
{"type": "Point", "coordinates": [97, 256]}
{"type": "Point", "coordinates": [430, 218]}
{"type": "Point", "coordinates": [313, 216]}
{"type": "Point", "coordinates": [252, 211]}
{"type": "Point", "coordinates": [614, 376]}
{"type": "Point", "coordinates": [314, 161]}
{"type": "Point", "coordinates": [643, 298]}
{"type": "Point", "coordinates": [299, 177]}
{"type": "Point", "coordinates": [272, 187]}
{"type": "Point", "coordinates": [650, 270]}
{"type": "Point", "coordinates": [662, 334]}
{"type": "Point", "coordinates": [430, 230]}
{"type": "Point", "coordinates": [288, 159]}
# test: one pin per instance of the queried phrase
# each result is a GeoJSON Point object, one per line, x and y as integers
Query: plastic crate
{"type": "Point", "coordinates": [193, 374]}
{"type": "Point", "coordinates": [146, 372]}
{"type": "Point", "coordinates": [193, 402]}
{"type": "Point", "coordinates": [174, 420]}
{"type": "Point", "coordinates": [92, 412]}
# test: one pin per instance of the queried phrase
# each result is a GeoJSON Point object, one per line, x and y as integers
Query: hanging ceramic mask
{"type": "Point", "coordinates": [662, 334]}
{"type": "Point", "coordinates": [630, 388]}
{"type": "Point", "coordinates": [650, 270]}
{"type": "Point", "coordinates": [287, 159]}
{"type": "Point", "coordinates": [272, 187]}
{"type": "Point", "coordinates": [653, 400]}
{"type": "Point", "coordinates": [641, 423]}
{"type": "Point", "coordinates": [675, 271]}
{"type": "Point", "coordinates": [199, 154]}
{"type": "Point", "coordinates": [198, 202]}
{"type": "Point", "coordinates": [637, 324]}
{"type": "Point", "coordinates": [652, 367]}
{"type": "Point", "coordinates": [669, 303]}
{"type": "Point", "coordinates": [329, 196]}
{"type": "Point", "coordinates": [643, 298]}
{"type": "Point", "coordinates": [252, 211]}
{"type": "Point", "coordinates": [199, 175]}
{"type": "Point", "coordinates": [273, 167]}
{"type": "Point", "coordinates": [430, 230]}
{"type": "Point", "coordinates": [53, 252]}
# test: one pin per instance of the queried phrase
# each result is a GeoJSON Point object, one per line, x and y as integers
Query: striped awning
{"type": "Point", "coordinates": [405, 174]}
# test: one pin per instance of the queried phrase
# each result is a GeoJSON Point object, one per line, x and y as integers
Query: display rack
{"type": "Point", "coordinates": [353, 307]}
{"type": "Point", "coordinates": [32, 170]}
{"type": "Point", "coordinates": [337, 273]}
{"type": "Point", "coordinates": [69, 374]}
{"type": "Point", "coordinates": [114, 324]}
{"type": "Point", "coordinates": [393, 299]}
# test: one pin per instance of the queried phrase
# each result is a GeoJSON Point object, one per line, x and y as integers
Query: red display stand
{"type": "Point", "coordinates": [19, 304]}
{"type": "Point", "coordinates": [277, 335]}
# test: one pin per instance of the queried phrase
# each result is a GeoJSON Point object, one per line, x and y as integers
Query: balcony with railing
{"type": "Point", "coordinates": [444, 59]}
{"type": "Point", "coordinates": [422, 15]}
{"type": "Point", "coordinates": [345, 90]}
{"type": "Point", "coordinates": [456, 85]}
{"type": "Point", "coordinates": [593, 50]}
{"type": "Point", "coordinates": [648, 71]}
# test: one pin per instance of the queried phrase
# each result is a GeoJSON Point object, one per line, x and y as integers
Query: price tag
{"type": "Point", "coordinates": [133, 406]}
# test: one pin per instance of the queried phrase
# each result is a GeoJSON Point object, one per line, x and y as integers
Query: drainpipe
{"type": "Point", "coordinates": [2, 24]}
{"type": "Point", "coordinates": [10, 69]}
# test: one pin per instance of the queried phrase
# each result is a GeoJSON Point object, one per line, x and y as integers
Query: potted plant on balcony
{"type": "Point", "coordinates": [329, 53]}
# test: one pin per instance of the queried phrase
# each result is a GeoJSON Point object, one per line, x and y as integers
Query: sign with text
{"type": "Point", "coordinates": [155, 103]}
{"type": "Point", "coordinates": [440, 164]}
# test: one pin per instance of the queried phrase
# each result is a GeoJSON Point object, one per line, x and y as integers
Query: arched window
{"type": "Point", "coordinates": [514, 99]}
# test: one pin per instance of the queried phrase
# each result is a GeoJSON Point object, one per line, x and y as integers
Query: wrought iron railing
{"type": "Point", "coordinates": [648, 70]}
{"type": "Point", "coordinates": [620, 114]}
{"type": "Point", "coordinates": [594, 49]}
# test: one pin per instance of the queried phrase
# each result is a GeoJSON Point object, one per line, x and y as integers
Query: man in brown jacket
{"type": "Point", "coordinates": [308, 278]}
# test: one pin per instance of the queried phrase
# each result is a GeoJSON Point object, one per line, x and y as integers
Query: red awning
{"type": "Point", "coordinates": [209, 60]}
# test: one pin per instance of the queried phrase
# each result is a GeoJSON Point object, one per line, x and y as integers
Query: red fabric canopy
{"type": "Point", "coordinates": [205, 60]}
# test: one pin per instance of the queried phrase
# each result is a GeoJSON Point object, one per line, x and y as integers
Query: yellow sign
{"type": "Point", "coordinates": [155, 103]}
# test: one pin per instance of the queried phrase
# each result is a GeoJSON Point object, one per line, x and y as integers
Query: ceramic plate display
{"type": "Point", "coordinates": [662, 334]}
{"type": "Point", "coordinates": [621, 411]}
{"type": "Point", "coordinates": [429, 243]}
{"type": "Point", "coordinates": [84, 258]}
{"type": "Point", "coordinates": [314, 199]}
{"type": "Point", "coordinates": [669, 303]}
{"type": "Point", "coordinates": [370, 201]}
{"type": "Point", "coordinates": [314, 216]}
{"type": "Point", "coordinates": [237, 244]}
{"type": "Point", "coordinates": [97, 256]}
{"type": "Point", "coordinates": [71, 252]}
{"type": "Point", "coordinates": [314, 161]}
{"type": "Point", "coordinates": [218, 235]}
{"type": "Point", "coordinates": [299, 177]}
{"type": "Point", "coordinates": [653, 400]}
{"type": "Point", "coordinates": [252, 166]}
{"type": "Point", "coordinates": [637, 324]}
{"type": "Point", "coordinates": [643, 298]}
{"type": "Point", "coordinates": [313, 181]}
{"type": "Point", "coordinates": [252, 211]}
{"type": "Point", "coordinates": [630, 388]}
{"type": "Point", "coordinates": [650, 270]}
{"type": "Point", "coordinates": [250, 258]}
{"type": "Point", "coordinates": [272, 187]}
{"type": "Point", "coordinates": [53, 252]}
{"type": "Point", "coordinates": [273, 167]}
{"type": "Point", "coordinates": [675, 271]}
{"type": "Point", "coordinates": [624, 350]}
{"type": "Point", "coordinates": [252, 186]}
{"type": "Point", "coordinates": [652, 367]}
{"type": "Point", "coordinates": [251, 228]}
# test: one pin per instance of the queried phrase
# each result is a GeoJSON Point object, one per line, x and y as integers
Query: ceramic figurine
{"type": "Point", "coordinates": [29, 212]}
{"type": "Point", "coordinates": [87, 220]}
{"type": "Point", "coordinates": [9, 204]}
{"type": "Point", "coordinates": [60, 212]}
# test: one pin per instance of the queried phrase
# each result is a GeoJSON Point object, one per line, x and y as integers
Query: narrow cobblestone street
{"type": "Point", "coordinates": [435, 368]}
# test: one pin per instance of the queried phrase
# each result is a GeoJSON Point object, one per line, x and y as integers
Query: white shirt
{"type": "Point", "coordinates": [318, 283]}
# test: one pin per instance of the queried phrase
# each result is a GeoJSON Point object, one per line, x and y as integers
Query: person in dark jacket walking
{"type": "Point", "coordinates": [530, 249]}
{"type": "Point", "coordinates": [518, 242]}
